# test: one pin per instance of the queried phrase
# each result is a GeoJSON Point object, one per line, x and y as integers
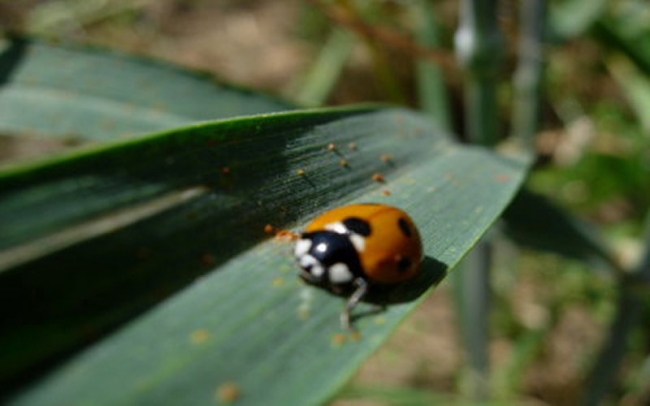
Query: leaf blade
{"type": "Point", "coordinates": [63, 91]}
{"type": "Point", "coordinates": [249, 306]}
{"type": "Point", "coordinates": [146, 259]}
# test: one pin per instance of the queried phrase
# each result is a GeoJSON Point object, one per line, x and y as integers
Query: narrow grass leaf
{"type": "Point", "coordinates": [569, 19]}
{"type": "Point", "coordinates": [635, 86]}
{"type": "Point", "coordinates": [83, 93]}
{"type": "Point", "coordinates": [627, 34]}
{"type": "Point", "coordinates": [432, 93]}
{"type": "Point", "coordinates": [535, 222]}
{"type": "Point", "coordinates": [326, 69]}
{"type": "Point", "coordinates": [246, 328]}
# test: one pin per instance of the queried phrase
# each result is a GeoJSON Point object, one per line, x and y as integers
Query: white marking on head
{"type": "Point", "coordinates": [317, 270]}
{"type": "Point", "coordinates": [302, 247]}
{"type": "Point", "coordinates": [321, 247]}
{"type": "Point", "coordinates": [358, 241]}
{"type": "Point", "coordinates": [307, 260]}
{"type": "Point", "coordinates": [337, 227]}
{"type": "Point", "coordinates": [340, 273]}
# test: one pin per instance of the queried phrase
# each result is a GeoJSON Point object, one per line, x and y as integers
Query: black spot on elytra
{"type": "Point", "coordinates": [404, 226]}
{"type": "Point", "coordinates": [357, 226]}
{"type": "Point", "coordinates": [404, 264]}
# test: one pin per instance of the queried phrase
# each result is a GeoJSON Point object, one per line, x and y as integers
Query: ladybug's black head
{"type": "Point", "coordinates": [328, 258]}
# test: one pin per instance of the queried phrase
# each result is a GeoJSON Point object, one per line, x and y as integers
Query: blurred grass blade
{"type": "Point", "coordinates": [76, 92]}
{"type": "Point", "coordinates": [627, 33]}
{"type": "Point", "coordinates": [631, 306]}
{"type": "Point", "coordinates": [643, 268]}
{"type": "Point", "coordinates": [528, 89]}
{"type": "Point", "coordinates": [636, 87]}
{"type": "Point", "coordinates": [432, 92]}
{"type": "Point", "coordinates": [525, 352]}
{"type": "Point", "coordinates": [533, 221]}
{"type": "Point", "coordinates": [569, 19]}
{"type": "Point", "coordinates": [325, 71]}
{"type": "Point", "coordinates": [246, 325]}
{"type": "Point", "coordinates": [479, 47]}
{"type": "Point", "coordinates": [472, 291]}
{"type": "Point", "coordinates": [527, 107]}
{"type": "Point", "coordinates": [395, 396]}
{"type": "Point", "coordinates": [601, 379]}
{"type": "Point", "coordinates": [57, 16]}
{"type": "Point", "coordinates": [398, 396]}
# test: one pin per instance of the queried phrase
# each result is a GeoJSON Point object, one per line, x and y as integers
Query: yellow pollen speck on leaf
{"type": "Point", "coordinates": [199, 336]}
{"type": "Point", "coordinates": [338, 339]}
{"type": "Point", "coordinates": [228, 392]}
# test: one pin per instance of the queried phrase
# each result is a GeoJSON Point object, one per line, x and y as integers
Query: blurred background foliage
{"type": "Point", "coordinates": [552, 314]}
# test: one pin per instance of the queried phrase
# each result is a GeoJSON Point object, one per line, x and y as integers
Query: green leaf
{"type": "Point", "coordinates": [626, 32]}
{"type": "Point", "coordinates": [396, 395]}
{"type": "Point", "coordinates": [94, 238]}
{"type": "Point", "coordinates": [631, 305]}
{"type": "Point", "coordinates": [570, 18]}
{"type": "Point", "coordinates": [320, 80]}
{"type": "Point", "coordinates": [386, 395]}
{"type": "Point", "coordinates": [601, 379]}
{"type": "Point", "coordinates": [432, 92]}
{"type": "Point", "coordinates": [635, 86]}
{"type": "Point", "coordinates": [76, 92]}
{"type": "Point", "coordinates": [536, 222]}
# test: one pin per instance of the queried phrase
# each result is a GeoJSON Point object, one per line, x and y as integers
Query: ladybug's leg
{"type": "Point", "coordinates": [359, 293]}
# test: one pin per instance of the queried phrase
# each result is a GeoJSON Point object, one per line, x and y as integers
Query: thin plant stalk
{"type": "Point", "coordinates": [529, 74]}
{"type": "Point", "coordinates": [473, 303]}
{"type": "Point", "coordinates": [525, 125]}
{"type": "Point", "coordinates": [318, 83]}
{"type": "Point", "coordinates": [432, 93]}
{"type": "Point", "coordinates": [478, 49]}
{"type": "Point", "coordinates": [629, 315]}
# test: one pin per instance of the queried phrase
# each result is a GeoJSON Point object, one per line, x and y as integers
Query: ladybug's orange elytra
{"type": "Point", "coordinates": [352, 248]}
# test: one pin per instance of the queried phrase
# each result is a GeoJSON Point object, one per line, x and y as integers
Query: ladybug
{"type": "Point", "coordinates": [350, 249]}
